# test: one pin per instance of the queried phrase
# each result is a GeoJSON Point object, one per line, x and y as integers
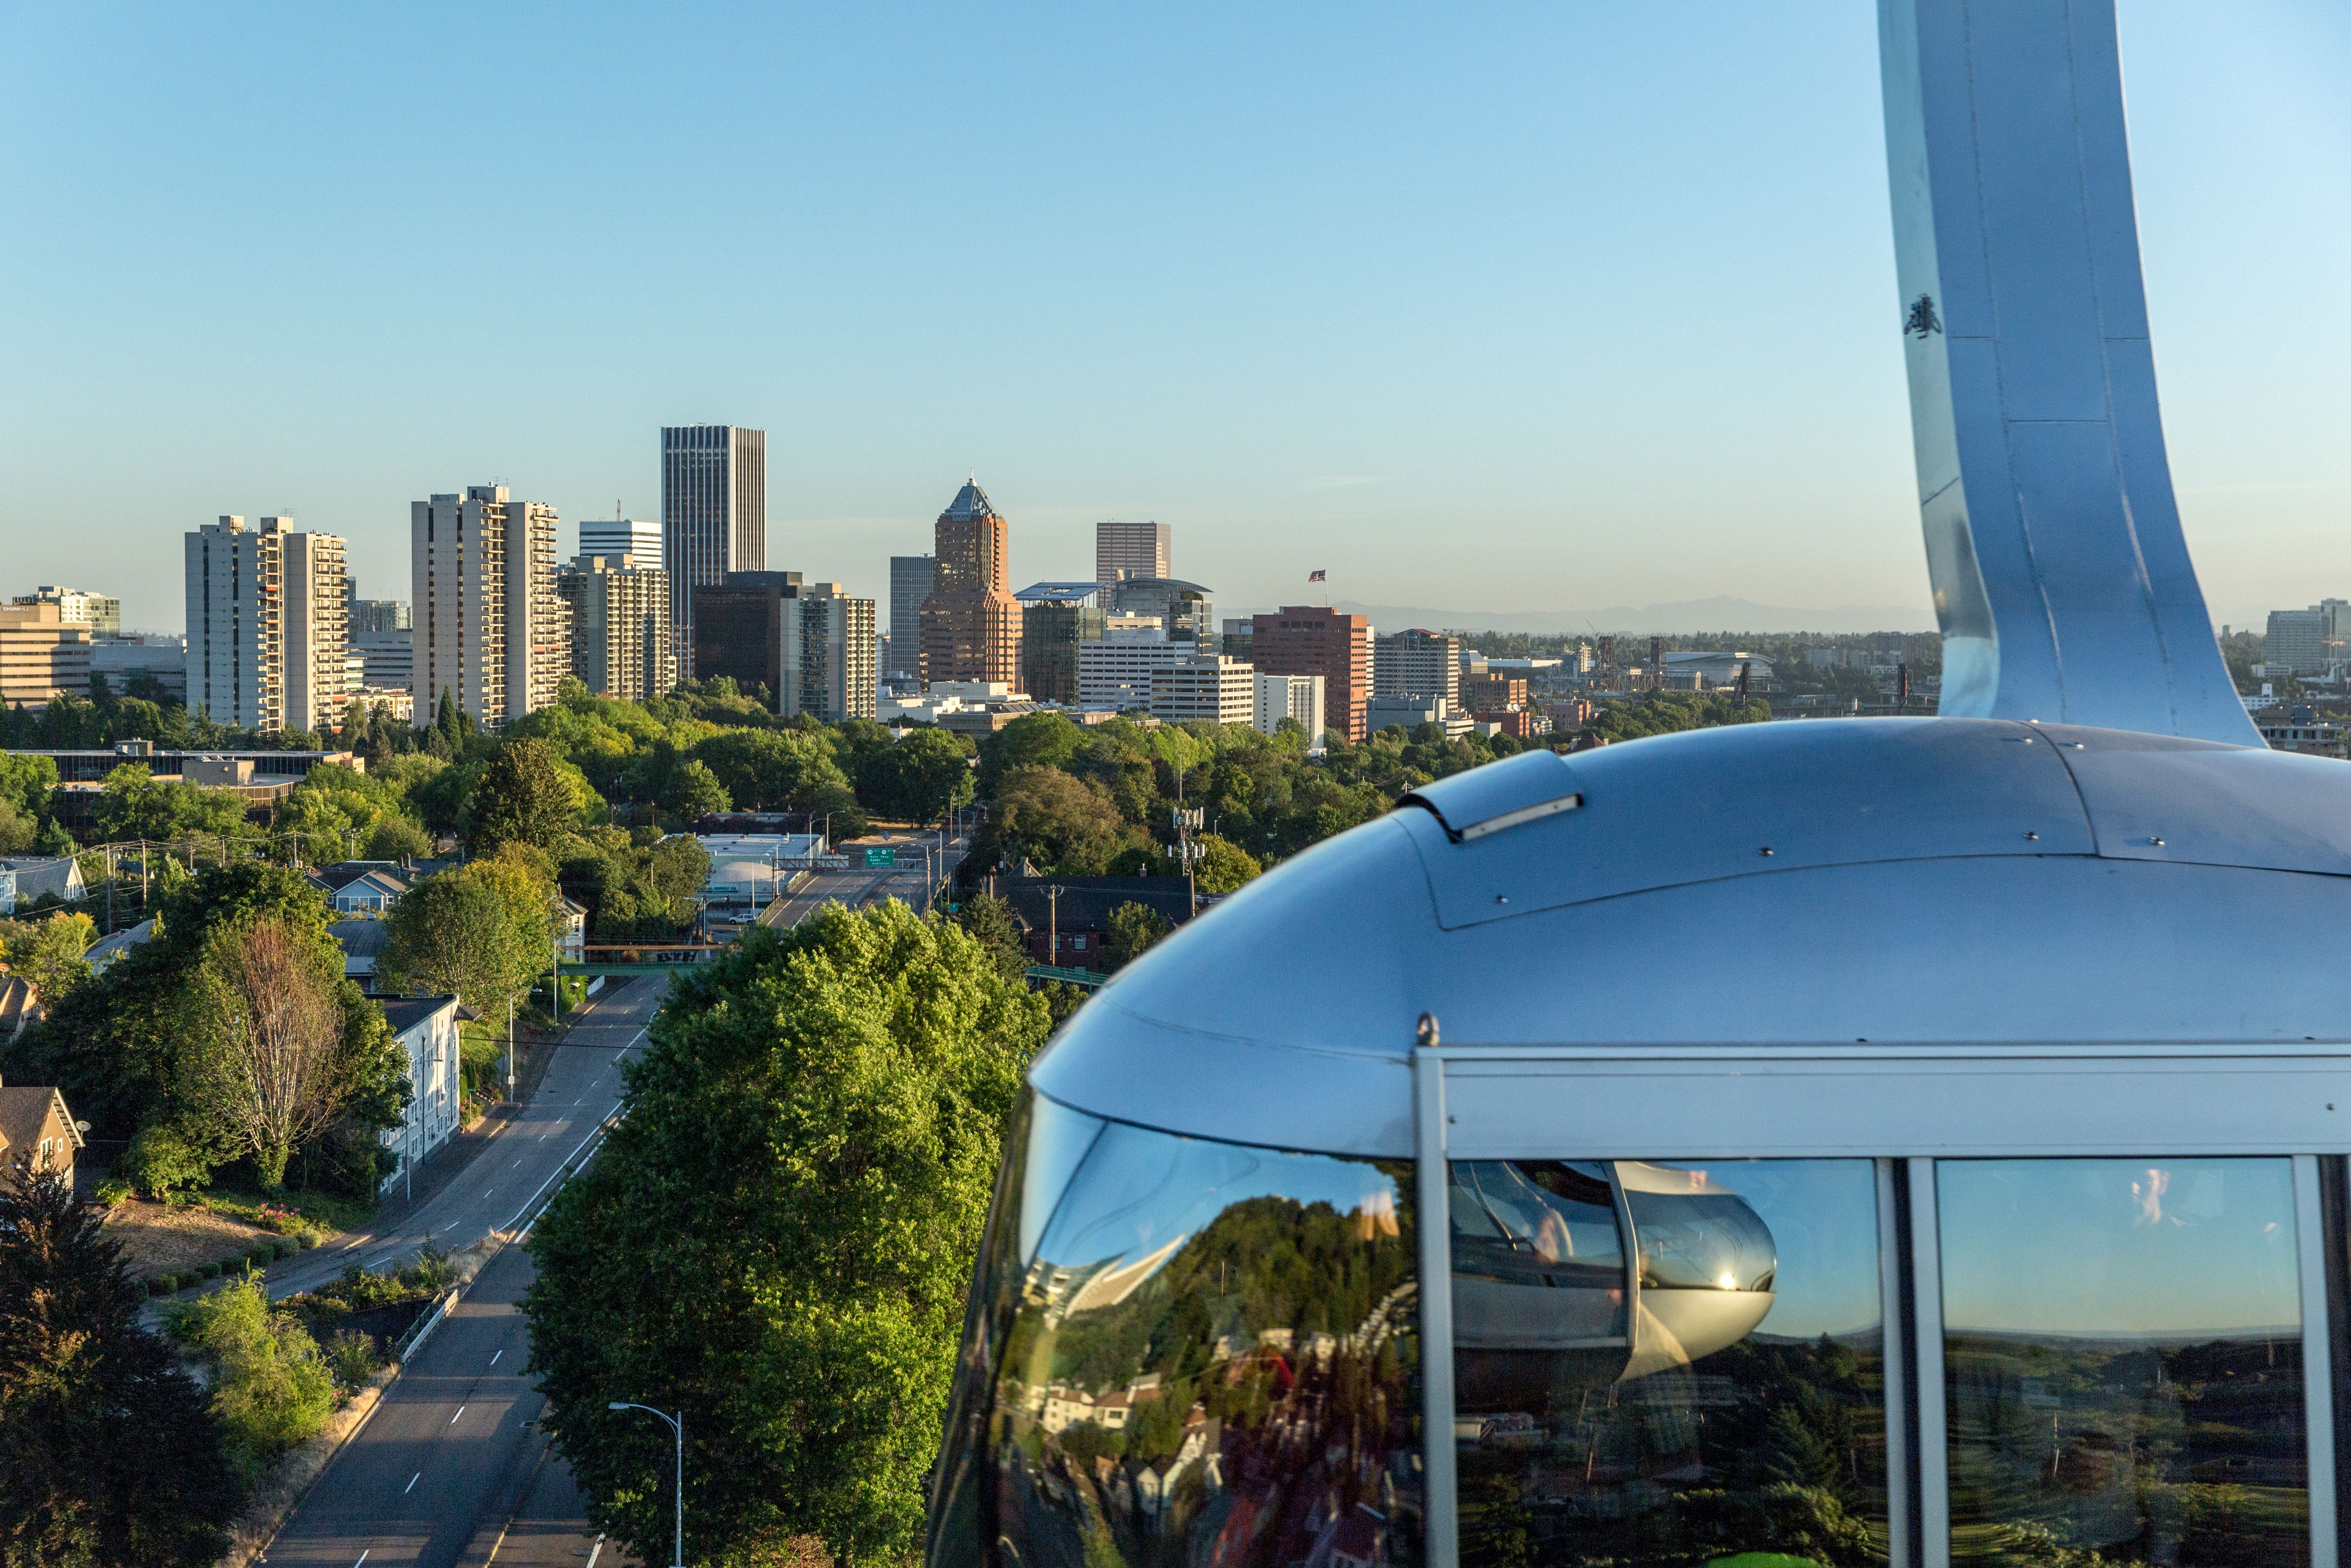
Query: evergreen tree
{"type": "Point", "coordinates": [108, 1452]}
{"type": "Point", "coordinates": [988, 922]}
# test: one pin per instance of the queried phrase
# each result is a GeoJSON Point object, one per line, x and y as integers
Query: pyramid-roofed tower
{"type": "Point", "coordinates": [971, 624]}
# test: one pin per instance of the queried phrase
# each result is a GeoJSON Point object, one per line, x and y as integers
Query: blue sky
{"type": "Point", "coordinates": [1486, 307]}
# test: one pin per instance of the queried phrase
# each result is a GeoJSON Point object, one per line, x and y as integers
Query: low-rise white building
{"type": "Point", "coordinates": [426, 1027]}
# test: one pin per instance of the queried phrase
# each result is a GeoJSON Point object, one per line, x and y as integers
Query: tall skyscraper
{"type": "Point", "coordinates": [1056, 620]}
{"type": "Point", "coordinates": [714, 511]}
{"type": "Point", "coordinates": [317, 603]}
{"type": "Point", "coordinates": [1313, 640]}
{"type": "Point", "coordinates": [267, 610]}
{"type": "Point", "coordinates": [971, 622]}
{"type": "Point", "coordinates": [613, 538]}
{"type": "Point", "coordinates": [620, 626]}
{"type": "Point", "coordinates": [828, 651]}
{"type": "Point", "coordinates": [1182, 608]}
{"type": "Point", "coordinates": [490, 628]}
{"type": "Point", "coordinates": [1132, 549]}
{"type": "Point", "coordinates": [913, 579]}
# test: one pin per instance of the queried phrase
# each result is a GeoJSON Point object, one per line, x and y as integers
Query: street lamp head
{"type": "Point", "coordinates": [616, 1405]}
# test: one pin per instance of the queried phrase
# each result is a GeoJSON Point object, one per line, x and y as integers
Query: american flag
{"type": "Point", "coordinates": [1318, 577]}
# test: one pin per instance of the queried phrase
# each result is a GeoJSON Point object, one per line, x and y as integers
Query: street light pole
{"type": "Point", "coordinates": [677, 1549]}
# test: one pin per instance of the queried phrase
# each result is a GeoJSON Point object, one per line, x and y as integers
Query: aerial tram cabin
{"type": "Point", "coordinates": [1913, 1142]}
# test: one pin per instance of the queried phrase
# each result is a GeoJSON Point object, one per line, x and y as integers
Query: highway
{"type": "Point", "coordinates": [518, 1170]}
{"type": "Point", "coordinates": [860, 885]}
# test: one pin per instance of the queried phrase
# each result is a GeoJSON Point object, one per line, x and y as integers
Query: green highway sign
{"type": "Point", "coordinates": [886, 855]}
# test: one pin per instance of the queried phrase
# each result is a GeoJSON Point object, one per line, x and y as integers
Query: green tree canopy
{"type": "Point", "coordinates": [923, 776]}
{"type": "Point", "coordinates": [988, 922]}
{"type": "Point", "coordinates": [778, 1237]}
{"type": "Point", "coordinates": [525, 794]}
{"type": "Point", "coordinates": [694, 790]}
{"type": "Point", "coordinates": [480, 932]}
{"type": "Point", "coordinates": [1224, 866]}
{"type": "Point", "coordinates": [1032, 741]}
{"type": "Point", "coordinates": [26, 782]}
{"type": "Point", "coordinates": [1134, 928]}
{"type": "Point", "coordinates": [46, 951]}
{"type": "Point", "coordinates": [133, 803]}
{"type": "Point", "coordinates": [1062, 824]}
{"type": "Point", "coordinates": [108, 1453]}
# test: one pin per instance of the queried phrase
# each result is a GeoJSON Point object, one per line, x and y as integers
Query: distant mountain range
{"type": "Point", "coordinates": [1721, 614]}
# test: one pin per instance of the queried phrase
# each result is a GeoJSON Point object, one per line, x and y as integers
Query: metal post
{"type": "Point", "coordinates": [1054, 925]}
{"type": "Point", "coordinates": [1430, 1207]}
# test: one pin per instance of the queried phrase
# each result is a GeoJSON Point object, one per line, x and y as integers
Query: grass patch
{"type": "Point", "coordinates": [327, 1211]}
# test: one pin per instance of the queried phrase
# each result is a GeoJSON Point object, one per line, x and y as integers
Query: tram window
{"type": "Point", "coordinates": [1720, 1394]}
{"type": "Point", "coordinates": [1208, 1353]}
{"type": "Point", "coordinates": [2122, 1352]}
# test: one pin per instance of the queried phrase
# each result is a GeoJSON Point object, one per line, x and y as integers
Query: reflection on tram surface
{"type": "Point", "coordinates": [1203, 1355]}
{"type": "Point", "coordinates": [1668, 1363]}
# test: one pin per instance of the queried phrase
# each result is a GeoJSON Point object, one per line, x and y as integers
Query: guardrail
{"type": "Point", "coordinates": [1086, 978]}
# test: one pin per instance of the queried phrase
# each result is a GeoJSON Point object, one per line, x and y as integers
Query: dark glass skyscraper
{"type": "Point", "coordinates": [714, 511]}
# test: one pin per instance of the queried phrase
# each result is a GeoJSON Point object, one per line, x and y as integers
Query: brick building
{"type": "Point", "coordinates": [1305, 640]}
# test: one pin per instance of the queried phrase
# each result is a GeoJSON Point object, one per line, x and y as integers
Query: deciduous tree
{"type": "Point", "coordinates": [107, 1453]}
{"type": "Point", "coordinates": [1134, 930]}
{"type": "Point", "coordinates": [479, 932]}
{"type": "Point", "coordinates": [525, 794]}
{"type": "Point", "coordinates": [778, 1236]}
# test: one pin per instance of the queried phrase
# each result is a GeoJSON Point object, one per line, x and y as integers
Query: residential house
{"type": "Point", "coordinates": [37, 1133]}
{"type": "Point", "coordinates": [1070, 930]}
{"type": "Point", "coordinates": [20, 1006]}
{"type": "Point", "coordinates": [102, 953]}
{"type": "Point", "coordinates": [426, 1027]}
{"type": "Point", "coordinates": [362, 942]}
{"type": "Point", "coordinates": [26, 879]}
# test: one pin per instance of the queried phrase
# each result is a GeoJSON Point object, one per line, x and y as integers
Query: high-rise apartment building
{"type": "Point", "coordinates": [1056, 618]}
{"type": "Point", "coordinates": [317, 605]}
{"type": "Point", "coordinates": [620, 626]}
{"type": "Point", "coordinates": [101, 614]}
{"type": "Point", "coordinates": [913, 579]}
{"type": "Point", "coordinates": [971, 624]}
{"type": "Point", "coordinates": [1288, 696]}
{"type": "Point", "coordinates": [1206, 688]}
{"type": "Point", "coordinates": [714, 511]}
{"type": "Point", "coordinates": [490, 629]}
{"type": "Point", "coordinates": [1310, 640]}
{"type": "Point", "coordinates": [266, 613]}
{"type": "Point", "coordinates": [1417, 663]}
{"type": "Point", "coordinates": [1131, 549]}
{"type": "Point", "coordinates": [42, 654]}
{"type": "Point", "coordinates": [828, 654]}
{"type": "Point", "coordinates": [612, 537]}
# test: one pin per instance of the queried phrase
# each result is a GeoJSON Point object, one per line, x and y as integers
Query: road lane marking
{"type": "Point", "coordinates": [494, 1360]}
{"type": "Point", "coordinates": [412, 1483]}
{"type": "Point", "coordinates": [558, 1171]}
{"type": "Point", "coordinates": [461, 1410]}
{"type": "Point", "coordinates": [518, 1163]}
{"type": "Point", "coordinates": [363, 1557]}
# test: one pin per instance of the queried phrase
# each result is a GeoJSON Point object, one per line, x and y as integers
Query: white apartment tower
{"type": "Point", "coordinates": [489, 627]}
{"type": "Point", "coordinates": [714, 513]}
{"type": "Point", "coordinates": [1132, 549]}
{"type": "Point", "coordinates": [318, 610]}
{"type": "Point", "coordinates": [266, 607]}
{"type": "Point", "coordinates": [1290, 696]}
{"type": "Point", "coordinates": [1417, 663]}
{"type": "Point", "coordinates": [828, 652]}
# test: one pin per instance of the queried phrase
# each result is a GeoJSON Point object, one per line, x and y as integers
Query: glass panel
{"type": "Point", "coordinates": [1732, 1404]}
{"type": "Point", "coordinates": [2122, 1352]}
{"type": "Point", "coordinates": [1208, 1361]}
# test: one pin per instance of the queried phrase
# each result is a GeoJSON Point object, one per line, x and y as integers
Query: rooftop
{"type": "Point", "coordinates": [970, 502]}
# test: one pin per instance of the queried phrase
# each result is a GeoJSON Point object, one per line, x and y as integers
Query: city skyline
{"type": "Point", "coordinates": [1497, 370]}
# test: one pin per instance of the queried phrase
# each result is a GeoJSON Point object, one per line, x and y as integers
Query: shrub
{"type": "Point", "coordinates": [209, 1272]}
{"type": "Point", "coordinates": [271, 1385]}
{"type": "Point", "coordinates": [113, 1192]}
{"type": "Point", "coordinates": [283, 1249]}
{"type": "Point", "coordinates": [309, 1238]}
{"type": "Point", "coordinates": [352, 1355]}
{"type": "Point", "coordinates": [161, 1285]}
{"type": "Point", "coordinates": [161, 1161]}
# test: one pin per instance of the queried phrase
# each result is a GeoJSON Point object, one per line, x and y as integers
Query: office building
{"type": "Point", "coordinates": [620, 626]}
{"type": "Point", "coordinates": [266, 607]}
{"type": "Point", "coordinates": [740, 632]}
{"type": "Point", "coordinates": [1131, 549]}
{"type": "Point", "coordinates": [828, 654]}
{"type": "Point", "coordinates": [714, 512]}
{"type": "Point", "coordinates": [1181, 608]}
{"type": "Point", "coordinates": [1239, 639]}
{"type": "Point", "coordinates": [1493, 691]}
{"type": "Point", "coordinates": [386, 658]}
{"type": "Point", "coordinates": [1409, 712]}
{"type": "Point", "coordinates": [374, 614]}
{"type": "Point", "coordinates": [1115, 673]}
{"type": "Point", "coordinates": [101, 614]}
{"type": "Point", "coordinates": [318, 601]}
{"type": "Point", "coordinates": [1309, 639]}
{"type": "Point", "coordinates": [912, 579]}
{"type": "Point", "coordinates": [970, 625]}
{"type": "Point", "coordinates": [490, 628]}
{"type": "Point", "coordinates": [1417, 663]}
{"type": "Point", "coordinates": [42, 654]}
{"type": "Point", "coordinates": [637, 538]}
{"type": "Point", "coordinates": [1279, 698]}
{"type": "Point", "coordinates": [1055, 619]}
{"type": "Point", "coordinates": [2308, 640]}
{"type": "Point", "coordinates": [152, 665]}
{"type": "Point", "coordinates": [1206, 688]}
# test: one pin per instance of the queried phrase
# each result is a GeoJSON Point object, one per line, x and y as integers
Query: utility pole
{"type": "Point", "coordinates": [1054, 925]}
{"type": "Point", "coordinates": [1187, 822]}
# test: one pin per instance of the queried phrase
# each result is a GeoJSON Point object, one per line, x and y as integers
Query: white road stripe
{"type": "Point", "coordinates": [494, 1360]}
{"type": "Point", "coordinates": [412, 1483]}
{"type": "Point", "coordinates": [461, 1410]}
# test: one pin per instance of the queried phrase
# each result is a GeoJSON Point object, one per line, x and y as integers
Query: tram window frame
{"type": "Point", "coordinates": [1908, 1110]}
